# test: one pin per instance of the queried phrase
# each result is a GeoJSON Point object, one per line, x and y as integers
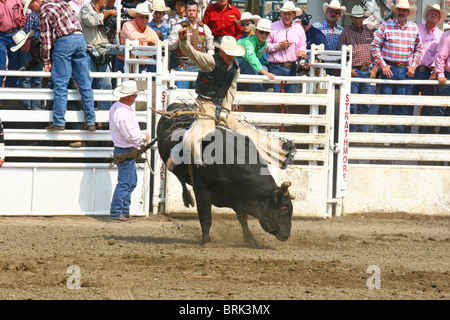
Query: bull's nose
{"type": "Point", "coordinates": [281, 238]}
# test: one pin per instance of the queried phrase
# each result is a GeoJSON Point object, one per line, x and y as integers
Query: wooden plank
{"type": "Point", "coordinates": [366, 153]}
{"type": "Point", "coordinates": [47, 116]}
{"type": "Point", "coordinates": [376, 119]}
{"type": "Point", "coordinates": [386, 99]}
{"type": "Point", "coordinates": [398, 138]}
{"type": "Point", "coordinates": [67, 135]}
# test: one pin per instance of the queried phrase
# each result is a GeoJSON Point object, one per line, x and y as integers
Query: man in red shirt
{"type": "Point", "coordinates": [220, 18]}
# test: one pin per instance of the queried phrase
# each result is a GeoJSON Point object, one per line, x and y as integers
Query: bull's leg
{"type": "Point", "coordinates": [249, 239]}
{"type": "Point", "coordinates": [204, 214]}
{"type": "Point", "coordinates": [187, 197]}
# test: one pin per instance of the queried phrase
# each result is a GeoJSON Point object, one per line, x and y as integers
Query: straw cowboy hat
{"type": "Point", "coordinates": [26, 4]}
{"type": "Point", "coordinates": [141, 8]}
{"type": "Point", "coordinates": [248, 16]}
{"type": "Point", "coordinates": [19, 38]}
{"type": "Point", "coordinates": [334, 4]}
{"type": "Point", "coordinates": [437, 8]}
{"type": "Point", "coordinates": [289, 6]}
{"type": "Point", "coordinates": [230, 47]}
{"type": "Point", "coordinates": [127, 88]}
{"type": "Point", "coordinates": [160, 7]}
{"type": "Point", "coordinates": [357, 12]}
{"type": "Point", "coordinates": [404, 4]}
{"type": "Point", "coordinates": [264, 25]}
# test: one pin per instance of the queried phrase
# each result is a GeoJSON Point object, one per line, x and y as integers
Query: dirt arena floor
{"type": "Point", "coordinates": [159, 257]}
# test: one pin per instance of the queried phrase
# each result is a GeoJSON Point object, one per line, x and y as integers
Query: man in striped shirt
{"type": "Point", "coordinates": [442, 70]}
{"type": "Point", "coordinates": [397, 49]}
{"type": "Point", "coordinates": [61, 31]}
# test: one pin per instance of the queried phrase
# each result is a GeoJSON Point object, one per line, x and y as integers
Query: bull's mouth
{"type": "Point", "coordinates": [281, 237]}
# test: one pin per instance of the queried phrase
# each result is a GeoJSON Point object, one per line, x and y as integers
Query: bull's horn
{"type": "Point", "coordinates": [284, 188]}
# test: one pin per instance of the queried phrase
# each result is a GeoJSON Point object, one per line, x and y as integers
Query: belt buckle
{"type": "Point", "coordinates": [364, 68]}
{"type": "Point", "coordinates": [401, 65]}
{"type": "Point", "coordinates": [287, 65]}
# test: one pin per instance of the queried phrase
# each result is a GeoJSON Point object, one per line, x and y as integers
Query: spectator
{"type": "Point", "coordinates": [200, 37]}
{"type": "Point", "coordinates": [180, 12]}
{"type": "Point", "coordinates": [397, 48]}
{"type": "Point", "coordinates": [360, 38]}
{"type": "Point", "coordinates": [161, 28]}
{"type": "Point", "coordinates": [248, 22]}
{"type": "Point", "coordinates": [313, 35]}
{"type": "Point", "coordinates": [285, 44]}
{"type": "Point", "coordinates": [11, 19]}
{"type": "Point", "coordinates": [126, 135]}
{"type": "Point", "coordinates": [137, 29]}
{"type": "Point", "coordinates": [2, 145]}
{"type": "Point", "coordinates": [255, 46]}
{"type": "Point", "coordinates": [76, 5]}
{"type": "Point", "coordinates": [92, 16]}
{"type": "Point", "coordinates": [329, 27]}
{"type": "Point", "coordinates": [61, 30]}
{"type": "Point", "coordinates": [430, 35]}
{"type": "Point", "coordinates": [220, 18]}
{"type": "Point", "coordinates": [442, 70]}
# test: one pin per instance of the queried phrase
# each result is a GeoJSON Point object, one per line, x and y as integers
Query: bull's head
{"type": "Point", "coordinates": [277, 220]}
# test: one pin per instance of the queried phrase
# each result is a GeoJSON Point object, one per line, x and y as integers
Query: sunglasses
{"type": "Point", "coordinates": [142, 17]}
{"type": "Point", "coordinates": [245, 24]}
{"type": "Point", "coordinates": [263, 32]}
{"type": "Point", "coordinates": [334, 11]}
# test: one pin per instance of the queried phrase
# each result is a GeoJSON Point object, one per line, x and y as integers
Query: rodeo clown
{"type": "Point", "coordinates": [216, 88]}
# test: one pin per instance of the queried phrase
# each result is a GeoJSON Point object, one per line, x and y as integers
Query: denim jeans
{"type": "Point", "coordinates": [101, 83]}
{"type": "Point", "coordinates": [70, 58]}
{"type": "Point", "coordinates": [126, 183]}
{"type": "Point", "coordinates": [426, 90]}
{"type": "Point", "coordinates": [246, 68]}
{"type": "Point", "coordinates": [279, 70]}
{"type": "Point", "coordinates": [363, 88]}
{"type": "Point", "coordinates": [397, 89]}
{"type": "Point", "coordinates": [445, 111]}
{"type": "Point", "coordinates": [6, 43]}
{"type": "Point", "coordinates": [187, 84]}
{"type": "Point", "coordinates": [30, 82]}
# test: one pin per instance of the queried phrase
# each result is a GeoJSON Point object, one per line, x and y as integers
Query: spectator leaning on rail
{"type": "Point", "coordinates": [329, 27]}
{"type": "Point", "coordinates": [442, 70]}
{"type": "Point", "coordinates": [250, 63]}
{"type": "Point", "coordinates": [161, 28]}
{"type": "Point", "coordinates": [430, 35]}
{"type": "Point", "coordinates": [360, 38]}
{"type": "Point", "coordinates": [61, 31]}
{"type": "Point", "coordinates": [248, 22]}
{"type": "Point", "coordinates": [397, 48]}
{"type": "Point", "coordinates": [126, 135]}
{"type": "Point", "coordinates": [220, 18]}
{"type": "Point", "coordinates": [200, 37]}
{"type": "Point", "coordinates": [92, 16]}
{"type": "Point", "coordinates": [285, 44]}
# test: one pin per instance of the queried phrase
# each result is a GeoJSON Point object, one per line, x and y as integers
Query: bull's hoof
{"type": "Point", "coordinates": [205, 240]}
{"type": "Point", "coordinates": [252, 243]}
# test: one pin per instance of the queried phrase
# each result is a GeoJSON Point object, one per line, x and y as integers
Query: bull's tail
{"type": "Point", "coordinates": [188, 200]}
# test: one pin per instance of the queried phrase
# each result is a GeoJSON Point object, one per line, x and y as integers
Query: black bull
{"type": "Point", "coordinates": [240, 186]}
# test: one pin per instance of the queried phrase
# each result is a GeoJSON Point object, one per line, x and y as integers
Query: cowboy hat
{"type": "Point", "coordinates": [437, 8]}
{"type": "Point", "coordinates": [229, 46]}
{"type": "Point", "coordinates": [289, 6]}
{"type": "Point", "coordinates": [26, 4]}
{"type": "Point", "coordinates": [334, 4]}
{"type": "Point", "coordinates": [248, 16]}
{"type": "Point", "coordinates": [404, 4]}
{"type": "Point", "coordinates": [264, 25]}
{"type": "Point", "coordinates": [160, 7]}
{"type": "Point", "coordinates": [357, 12]}
{"type": "Point", "coordinates": [141, 8]}
{"type": "Point", "coordinates": [127, 88]}
{"type": "Point", "coordinates": [20, 38]}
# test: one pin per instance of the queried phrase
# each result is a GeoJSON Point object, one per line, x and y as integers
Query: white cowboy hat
{"type": "Point", "coordinates": [357, 12]}
{"type": "Point", "coordinates": [248, 16]}
{"type": "Point", "coordinates": [404, 4]}
{"type": "Point", "coordinates": [26, 3]}
{"type": "Point", "coordinates": [160, 7]}
{"type": "Point", "coordinates": [289, 6]}
{"type": "Point", "coordinates": [19, 38]}
{"type": "Point", "coordinates": [334, 4]}
{"type": "Point", "coordinates": [437, 8]}
{"type": "Point", "coordinates": [127, 88]}
{"type": "Point", "coordinates": [264, 25]}
{"type": "Point", "coordinates": [141, 8]}
{"type": "Point", "coordinates": [230, 47]}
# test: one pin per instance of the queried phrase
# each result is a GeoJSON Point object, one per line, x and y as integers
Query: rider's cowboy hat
{"type": "Point", "coordinates": [357, 12]}
{"type": "Point", "coordinates": [127, 88]}
{"type": "Point", "coordinates": [248, 16]}
{"type": "Point", "coordinates": [437, 8]}
{"type": "Point", "coordinates": [230, 47]}
{"type": "Point", "coordinates": [334, 4]}
{"type": "Point", "coordinates": [289, 6]}
{"type": "Point", "coordinates": [160, 7]}
{"type": "Point", "coordinates": [264, 25]}
{"type": "Point", "coordinates": [404, 4]}
{"type": "Point", "coordinates": [20, 38]}
{"type": "Point", "coordinates": [141, 8]}
{"type": "Point", "coordinates": [26, 4]}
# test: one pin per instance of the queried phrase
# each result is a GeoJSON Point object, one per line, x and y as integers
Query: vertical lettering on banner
{"type": "Point", "coordinates": [346, 142]}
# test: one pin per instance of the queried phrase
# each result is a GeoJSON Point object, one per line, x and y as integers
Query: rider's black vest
{"type": "Point", "coordinates": [215, 84]}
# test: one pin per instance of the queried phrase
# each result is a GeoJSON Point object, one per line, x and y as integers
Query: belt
{"type": "Point", "coordinates": [362, 68]}
{"type": "Point", "coordinates": [12, 30]}
{"type": "Point", "coordinates": [423, 68]}
{"type": "Point", "coordinates": [399, 65]}
{"type": "Point", "coordinates": [76, 32]}
{"type": "Point", "coordinates": [286, 65]}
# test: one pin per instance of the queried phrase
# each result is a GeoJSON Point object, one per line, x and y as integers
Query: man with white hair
{"type": "Point", "coordinates": [329, 27]}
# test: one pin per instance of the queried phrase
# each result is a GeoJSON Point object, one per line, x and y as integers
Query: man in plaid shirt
{"type": "Point", "coordinates": [61, 31]}
{"type": "Point", "coordinates": [398, 49]}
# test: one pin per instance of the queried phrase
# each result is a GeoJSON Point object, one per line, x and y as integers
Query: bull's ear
{"type": "Point", "coordinates": [282, 191]}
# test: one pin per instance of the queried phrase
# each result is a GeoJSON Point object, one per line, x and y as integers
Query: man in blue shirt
{"type": "Point", "coordinates": [329, 26]}
{"type": "Point", "coordinates": [161, 28]}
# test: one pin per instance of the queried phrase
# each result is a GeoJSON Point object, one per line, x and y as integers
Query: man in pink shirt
{"type": "Point", "coordinates": [285, 44]}
{"type": "Point", "coordinates": [442, 70]}
{"type": "Point", "coordinates": [126, 135]}
{"type": "Point", "coordinates": [430, 35]}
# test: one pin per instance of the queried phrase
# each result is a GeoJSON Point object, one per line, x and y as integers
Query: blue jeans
{"type": "Point", "coordinates": [30, 82]}
{"type": "Point", "coordinates": [70, 59]}
{"type": "Point", "coordinates": [363, 88]}
{"type": "Point", "coordinates": [126, 183]}
{"type": "Point", "coordinates": [426, 90]}
{"type": "Point", "coordinates": [279, 70]}
{"type": "Point", "coordinates": [101, 83]}
{"type": "Point", "coordinates": [187, 84]}
{"type": "Point", "coordinates": [246, 68]}
{"type": "Point", "coordinates": [398, 74]}
{"type": "Point", "coordinates": [6, 43]}
{"type": "Point", "coordinates": [445, 111]}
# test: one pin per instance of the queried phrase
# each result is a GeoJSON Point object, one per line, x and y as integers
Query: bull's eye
{"type": "Point", "coordinates": [285, 209]}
